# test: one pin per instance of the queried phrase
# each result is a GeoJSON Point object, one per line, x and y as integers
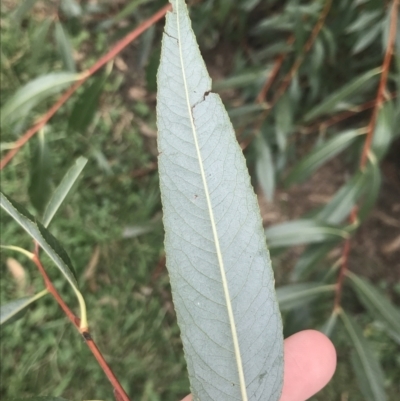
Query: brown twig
{"type": "Point", "coordinates": [343, 269]}
{"type": "Point", "coordinates": [262, 96]}
{"type": "Point", "coordinates": [289, 76]}
{"type": "Point", "coordinates": [368, 141]}
{"type": "Point", "coordinates": [118, 389]}
{"type": "Point", "coordinates": [50, 287]}
{"type": "Point", "coordinates": [382, 84]}
{"type": "Point", "coordinates": [344, 115]}
{"type": "Point", "coordinates": [300, 58]}
{"type": "Point", "coordinates": [117, 48]}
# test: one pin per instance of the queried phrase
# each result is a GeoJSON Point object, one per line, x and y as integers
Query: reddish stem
{"type": "Point", "coordinates": [289, 76]}
{"type": "Point", "coordinates": [368, 141]}
{"type": "Point", "coordinates": [66, 95]}
{"type": "Point", "coordinates": [119, 392]}
{"type": "Point", "coordinates": [262, 96]}
{"type": "Point", "coordinates": [343, 269]}
{"type": "Point", "coordinates": [299, 60]}
{"type": "Point", "coordinates": [382, 84]}
{"type": "Point", "coordinates": [50, 287]}
{"type": "Point", "coordinates": [344, 115]}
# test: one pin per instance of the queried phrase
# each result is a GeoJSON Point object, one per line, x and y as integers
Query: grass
{"type": "Point", "coordinates": [129, 312]}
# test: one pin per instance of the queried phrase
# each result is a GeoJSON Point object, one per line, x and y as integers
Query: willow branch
{"type": "Point", "coordinates": [368, 141]}
{"type": "Point", "coordinates": [119, 392]}
{"type": "Point", "coordinates": [382, 84]}
{"type": "Point", "coordinates": [289, 76]}
{"type": "Point", "coordinates": [117, 48]}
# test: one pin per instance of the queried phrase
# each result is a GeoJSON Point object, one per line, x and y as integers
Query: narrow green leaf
{"type": "Point", "coordinates": [365, 20]}
{"type": "Point", "coordinates": [64, 47]}
{"type": "Point", "coordinates": [330, 324]}
{"type": "Point", "coordinates": [265, 168]}
{"type": "Point", "coordinates": [34, 92]}
{"type": "Point", "coordinates": [246, 109]}
{"type": "Point", "coordinates": [367, 39]}
{"type": "Point", "coordinates": [241, 80]}
{"type": "Point", "coordinates": [47, 242]}
{"type": "Point", "coordinates": [71, 8]}
{"type": "Point", "coordinates": [15, 309]}
{"type": "Point", "coordinates": [328, 105]}
{"type": "Point", "coordinates": [38, 40]}
{"type": "Point", "coordinates": [86, 105]}
{"type": "Point", "coordinates": [40, 183]}
{"type": "Point", "coordinates": [38, 398]}
{"type": "Point", "coordinates": [277, 22]}
{"type": "Point", "coordinates": [374, 179]}
{"type": "Point", "coordinates": [295, 295]}
{"type": "Point", "coordinates": [24, 7]}
{"type": "Point", "coordinates": [377, 304]}
{"type": "Point", "coordinates": [343, 201]}
{"type": "Point", "coordinates": [128, 10]}
{"type": "Point", "coordinates": [300, 232]}
{"type": "Point", "coordinates": [310, 259]}
{"type": "Point", "coordinates": [283, 121]}
{"type": "Point", "coordinates": [368, 370]}
{"type": "Point", "coordinates": [323, 153]}
{"type": "Point", "coordinates": [63, 189]}
{"type": "Point", "coordinates": [220, 272]}
{"type": "Point", "coordinates": [384, 130]}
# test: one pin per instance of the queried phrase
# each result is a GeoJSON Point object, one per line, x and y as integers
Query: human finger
{"type": "Point", "coordinates": [310, 361]}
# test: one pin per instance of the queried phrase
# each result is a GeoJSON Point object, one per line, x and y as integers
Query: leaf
{"type": "Point", "coordinates": [14, 310]}
{"type": "Point", "coordinates": [40, 183]}
{"type": "Point", "coordinates": [367, 39]}
{"type": "Point", "coordinates": [384, 130]}
{"type": "Point", "coordinates": [320, 155]}
{"type": "Point", "coordinates": [22, 9]}
{"type": "Point", "coordinates": [71, 8]}
{"type": "Point", "coordinates": [283, 121]}
{"type": "Point", "coordinates": [86, 105]}
{"type": "Point", "coordinates": [64, 47]}
{"type": "Point", "coordinates": [327, 106]}
{"type": "Point", "coordinates": [295, 295]}
{"type": "Point", "coordinates": [330, 324]}
{"type": "Point", "coordinates": [365, 20]}
{"type": "Point", "coordinates": [63, 189]}
{"type": "Point", "coordinates": [38, 398]}
{"type": "Point", "coordinates": [40, 234]}
{"type": "Point", "coordinates": [127, 11]}
{"type": "Point", "coordinates": [374, 179]}
{"type": "Point", "coordinates": [343, 201]}
{"type": "Point", "coordinates": [298, 232]}
{"type": "Point", "coordinates": [246, 109]}
{"type": "Point", "coordinates": [241, 80]}
{"type": "Point", "coordinates": [310, 259]}
{"type": "Point", "coordinates": [377, 304]}
{"type": "Point", "coordinates": [220, 272]}
{"type": "Point", "coordinates": [368, 370]}
{"type": "Point", "coordinates": [39, 37]}
{"type": "Point", "coordinates": [265, 168]}
{"type": "Point", "coordinates": [34, 92]}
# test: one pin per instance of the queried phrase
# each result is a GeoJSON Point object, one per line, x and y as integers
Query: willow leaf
{"type": "Point", "coordinates": [219, 267]}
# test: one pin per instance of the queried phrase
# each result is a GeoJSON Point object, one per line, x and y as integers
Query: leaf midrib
{"type": "Point", "coordinates": [213, 225]}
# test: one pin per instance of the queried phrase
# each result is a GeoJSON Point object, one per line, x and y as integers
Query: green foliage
{"type": "Point", "coordinates": [320, 119]}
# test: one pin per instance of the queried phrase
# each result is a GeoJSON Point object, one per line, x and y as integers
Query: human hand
{"type": "Point", "coordinates": [310, 362]}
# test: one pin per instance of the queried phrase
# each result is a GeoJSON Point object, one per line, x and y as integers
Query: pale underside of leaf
{"type": "Point", "coordinates": [219, 266]}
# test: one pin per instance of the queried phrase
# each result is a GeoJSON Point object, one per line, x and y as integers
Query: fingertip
{"type": "Point", "coordinates": [310, 362]}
